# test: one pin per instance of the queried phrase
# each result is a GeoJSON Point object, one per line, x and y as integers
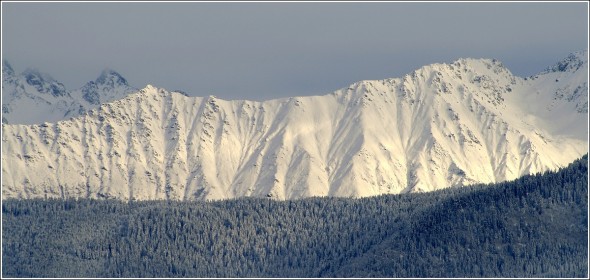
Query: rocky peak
{"type": "Point", "coordinates": [108, 86]}
{"type": "Point", "coordinates": [44, 83]}
{"type": "Point", "coordinates": [6, 68]}
{"type": "Point", "coordinates": [571, 63]}
{"type": "Point", "coordinates": [90, 93]}
{"type": "Point", "coordinates": [111, 78]}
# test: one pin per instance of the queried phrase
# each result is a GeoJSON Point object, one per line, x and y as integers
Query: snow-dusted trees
{"type": "Point", "coordinates": [532, 227]}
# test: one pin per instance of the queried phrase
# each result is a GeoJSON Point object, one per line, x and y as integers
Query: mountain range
{"type": "Point", "coordinates": [33, 97]}
{"type": "Point", "coordinates": [443, 125]}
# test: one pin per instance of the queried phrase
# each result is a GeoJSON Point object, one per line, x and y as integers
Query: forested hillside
{"type": "Point", "coordinates": [535, 226]}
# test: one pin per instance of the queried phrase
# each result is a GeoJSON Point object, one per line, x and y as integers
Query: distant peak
{"type": "Point", "coordinates": [6, 68]}
{"type": "Point", "coordinates": [34, 77]}
{"type": "Point", "coordinates": [33, 72]}
{"type": "Point", "coordinates": [581, 55]}
{"type": "Point", "coordinates": [43, 82]}
{"type": "Point", "coordinates": [111, 78]}
{"type": "Point", "coordinates": [571, 63]}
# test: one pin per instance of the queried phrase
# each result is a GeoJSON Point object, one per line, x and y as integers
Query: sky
{"type": "Point", "coordinates": [261, 51]}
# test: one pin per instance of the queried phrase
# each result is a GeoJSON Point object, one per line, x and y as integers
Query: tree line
{"type": "Point", "coordinates": [535, 226]}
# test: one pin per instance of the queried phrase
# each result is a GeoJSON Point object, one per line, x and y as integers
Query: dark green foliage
{"type": "Point", "coordinates": [535, 226]}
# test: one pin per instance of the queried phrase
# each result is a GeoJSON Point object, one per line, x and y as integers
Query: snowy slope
{"type": "Point", "coordinates": [556, 93]}
{"type": "Point", "coordinates": [34, 97]}
{"type": "Point", "coordinates": [442, 125]}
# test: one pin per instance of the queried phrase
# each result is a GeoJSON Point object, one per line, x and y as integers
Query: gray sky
{"type": "Point", "coordinates": [268, 50]}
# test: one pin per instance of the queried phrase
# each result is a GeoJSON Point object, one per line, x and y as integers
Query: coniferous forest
{"type": "Point", "coordinates": [535, 226]}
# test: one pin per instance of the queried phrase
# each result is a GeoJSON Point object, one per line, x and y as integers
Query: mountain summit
{"type": "Point", "coordinates": [7, 69]}
{"type": "Point", "coordinates": [33, 97]}
{"type": "Point", "coordinates": [443, 125]}
{"type": "Point", "coordinates": [44, 83]}
{"type": "Point", "coordinates": [574, 62]}
{"type": "Point", "coordinates": [109, 86]}
{"type": "Point", "coordinates": [111, 78]}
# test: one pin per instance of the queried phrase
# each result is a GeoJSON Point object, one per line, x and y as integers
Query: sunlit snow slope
{"type": "Point", "coordinates": [442, 125]}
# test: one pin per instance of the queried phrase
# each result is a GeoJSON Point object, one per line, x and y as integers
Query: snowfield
{"type": "Point", "coordinates": [443, 125]}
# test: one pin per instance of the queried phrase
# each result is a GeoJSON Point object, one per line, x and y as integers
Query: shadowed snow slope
{"type": "Point", "coordinates": [33, 97]}
{"type": "Point", "coordinates": [442, 125]}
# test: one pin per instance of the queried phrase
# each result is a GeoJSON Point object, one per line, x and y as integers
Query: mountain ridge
{"type": "Point", "coordinates": [439, 126]}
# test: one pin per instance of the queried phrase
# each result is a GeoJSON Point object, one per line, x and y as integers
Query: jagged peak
{"type": "Point", "coordinates": [7, 68]}
{"type": "Point", "coordinates": [474, 65]}
{"type": "Point", "coordinates": [33, 73]}
{"type": "Point", "coordinates": [150, 89]}
{"type": "Point", "coordinates": [582, 54]}
{"type": "Point", "coordinates": [147, 88]}
{"type": "Point", "coordinates": [573, 62]}
{"type": "Point", "coordinates": [110, 77]}
{"type": "Point", "coordinates": [477, 67]}
{"type": "Point", "coordinates": [102, 89]}
{"type": "Point", "coordinates": [153, 89]}
{"type": "Point", "coordinates": [44, 83]}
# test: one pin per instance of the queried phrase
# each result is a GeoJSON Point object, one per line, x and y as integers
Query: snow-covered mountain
{"type": "Point", "coordinates": [33, 97]}
{"type": "Point", "coordinates": [109, 86]}
{"type": "Point", "coordinates": [442, 125]}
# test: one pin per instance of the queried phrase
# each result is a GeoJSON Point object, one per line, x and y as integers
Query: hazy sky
{"type": "Point", "coordinates": [269, 50]}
